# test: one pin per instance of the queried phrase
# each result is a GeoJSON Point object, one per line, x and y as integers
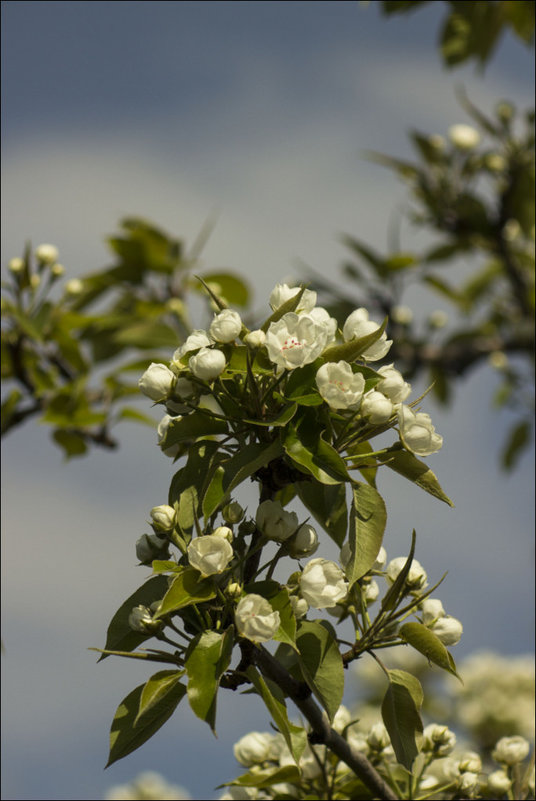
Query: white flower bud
{"type": "Point", "coordinates": [495, 162]}
{"type": "Point", "coordinates": [35, 281]}
{"type": "Point", "coordinates": [300, 607]}
{"type": "Point", "coordinates": [438, 319]}
{"type": "Point", "coordinates": [470, 762]}
{"type": "Point", "coordinates": [16, 265]}
{"type": "Point", "coordinates": [233, 590]}
{"type": "Point", "coordinates": [371, 591]}
{"type": "Point", "coordinates": [498, 782]}
{"type": "Point", "coordinates": [378, 737]}
{"type": "Point", "coordinates": [210, 554]}
{"type": "Point", "coordinates": [448, 629]}
{"type": "Point", "coordinates": [510, 750]}
{"type": "Point", "coordinates": [438, 739]}
{"type": "Point", "coordinates": [163, 517]}
{"type": "Point", "coordinates": [416, 578]}
{"type": "Point", "coordinates": [161, 431]}
{"type": "Point", "coordinates": [342, 719]}
{"type": "Point", "coordinates": [255, 619]}
{"type": "Point", "coordinates": [339, 386]}
{"type": "Point", "coordinates": [511, 229]}
{"type": "Point", "coordinates": [197, 339]}
{"type": "Point", "coordinates": [358, 325]}
{"type": "Point", "coordinates": [381, 559]}
{"type": "Point", "coordinates": [57, 270]}
{"type": "Point", "coordinates": [225, 326]}
{"type": "Point", "coordinates": [47, 254]}
{"type": "Point", "coordinates": [498, 359]}
{"type": "Point", "coordinates": [392, 384]}
{"type": "Point", "coordinates": [149, 547]}
{"type": "Point", "coordinates": [223, 531]}
{"type": "Point", "coordinates": [282, 292]}
{"type": "Point", "coordinates": [157, 381]}
{"type": "Point", "coordinates": [322, 584]}
{"type": "Point", "coordinates": [437, 142]}
{"type": "Point", "coordinates": [376, 408]}
{"type": "Point", "coordinates": [417, 433]}
{"type": "Point", "coordinates": [141, 620]}
{"type": "Point", "coordinates": [432, 609]}
{"type": "Point", "coordinates": [255, 339]}
{"type": "Point", "coordinates": [233, 512]}
{"type": "Point", "coordinates": [274, 522]}
{"type": "Point", "coordinates": [303, 543]}
{"type": "Point", "coordinates": [402, 315]}
{"type": "Point", "coordinates": [296, 340]}
{"type": "Point", "coordinates": [468, 783]}
{"type": "Point", "coordinates": [253, 749]}
{"type": "Point", "coordinates": [207, 364]}
{"type": "Point", "coordinates": [74, 287]}
{"type": "Point", "coordinates": [464, 137]}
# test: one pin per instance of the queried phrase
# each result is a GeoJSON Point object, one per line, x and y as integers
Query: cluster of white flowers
{"type": "Point", "coordinates": [150, 786]}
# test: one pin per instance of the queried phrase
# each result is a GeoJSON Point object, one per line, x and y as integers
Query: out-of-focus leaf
{"type": "Point", "coordinates": [517, 440]}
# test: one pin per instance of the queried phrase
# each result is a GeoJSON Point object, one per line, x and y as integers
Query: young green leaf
{"type": "Point", "coordinates": [368, 517]}
{"type": "Point", "coordinates": [410, 467]}
{"type": "Point", "coordinates": [321, 663]}
{"type": "Point", "coordinates": [208, 658]}
{"type": "Point", "coordinates": [400, 713]}
{"type": "Point", "coordinates": [427, 643]}
{"type": "Point", "coordinates": [187, 588]}
{"type": "Point", "coordinates": [156, 689]}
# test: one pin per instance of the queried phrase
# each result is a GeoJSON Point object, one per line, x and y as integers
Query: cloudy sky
{"type": "Point", "coordinates": [259, 113]}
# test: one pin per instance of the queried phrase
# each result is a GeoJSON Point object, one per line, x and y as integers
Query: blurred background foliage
{"type": "Point", "coordinates": [71, 357]}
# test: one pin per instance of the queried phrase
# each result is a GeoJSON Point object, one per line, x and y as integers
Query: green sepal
{"type": "Point", "coordinates": [429, 644]}
{"type": "Point", "coordinates": [321, 663]}
{"type": "Point", "coordinates": [400, 713]}
{"type": "Point", "coordinates": [187, 588]}
{"type": "Point", "coordinates": [209, 655]}
{"type": "Point", "coordinates": [368, 517]}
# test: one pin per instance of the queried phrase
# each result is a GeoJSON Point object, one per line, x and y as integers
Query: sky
{"type": "Point", "coordinates": [257, 113]}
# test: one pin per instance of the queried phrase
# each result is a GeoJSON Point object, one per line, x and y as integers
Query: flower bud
{"type": "Point", "coordinates": [322, 584]}
{"type": "Point", "coordinates": [47, 254]}
{"type": "Point", "coordinates": [157, 381]}
{"type": "Point", "coordinates": [438, 319]}
{"type": "Point", "coordinates": [468, 783]}
{"type": "Point", "coordinates": [74, 287]}
{"type": "Point", "coordinates": [470, 762]}
{"type": "Point", "coordinates": [16, 265]}
{"type": "Point", "coordinates": [378, 737]}
{"type": "Point", "coordinates": [402, 315]}
{"type": "Point", "coordinates": [416, 578]}
{"type": "Point", "coordinates": [141, 620]}
{"type": "Point", "coordinates": [274, 522]}
{"type": "Point", "coordinates": [499, 783]}
{"type": "Point", "coordinates": [225, 326]}
{"type": "Point", "coordinates": [196, 340]}
{"type": "Point", "coordinates": [255, 339]}
{"type": "Point", "coordinates": [233, 590]}
{"type": "Point", "coordinates": [417, 433]}
{"type": "Point", "coordinates": [210, 554]}
{"type": "Point", "coordinates": [149, 547]}
{"type": "Point", "coordinates": [495, 162]}
{"type": "Point", "coordinates": [381, 559]}
{"type": "Point", "coordinates": [232, 513]}
{"type": "Point", "coordinates": [282, 292]}
{"type": "Point", "coordinates": [376, 408]}
{"type": "Point", "coordinates": [161, 431]}
{"type": "Point", "coordinates": [464, 137]}
{"type": "Point", "coordinates": [447, 629]}
{"type": "Point", "coordinates": [207, 364]}
{"type": "Point", "coordinates": [35, 281]}
{"type": "Point", "coordinates": [342, 719]}
{"type": "Point", "coordinates": [300, 607]}
{"type": "Point", "coordinates": [253, 749]}
{"type": "Point", "coordinates": [392, 384]}
{"type": "Point", "coordinates": [432, 610]}
{"type": "Point", "coordinates": [303, 543]}
{"type": "Point", "coordinates": [498, 360]}
{"type": "Point", "coordinates": [163, 517]}
{"type": "Point", "coordinates": [371, 591]}
{"type": "Point", "coordinates": [510, 750]}
{"type": "Point", "coordinates": [438, 739]}
{"type": "Point", "coordinates": [57, 270]}
{"type": "Point", "coordinates": [255, 619]}
{"type": "Point", "coordinates": [223, 531]}
{"type": "Point", "coordinates": [358, 325]}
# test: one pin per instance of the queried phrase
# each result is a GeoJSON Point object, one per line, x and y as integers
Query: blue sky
{"type": "Point", "coordinates": [258, 112]}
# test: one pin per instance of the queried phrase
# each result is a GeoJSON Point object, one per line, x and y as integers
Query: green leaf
{"type": "Point", "coordinates": [120, 636]}
{"type": "Point", "coordinates": [400, 713]}
{"type": "Point", "coordinates": [295, 736]}
{"type": "Point", "coordinates": [188, 588]}
{"type": "Point", "coordinates": [281, 419]}
{"type": "Point", "coordinates": [397, 589]}
{"type": "Point", "coordinates": [192, 426]}
{"type": "Point", "coordinates": [231, 287]}
{"type": "Point", "coordinates": [193, 475]}
{"type": "Point", "coordinates": [405, 463]}
{"type": "Point", "coordinates": [305, 446]}
{"type": "Point", "coordinates": [355, 348]}
{"type": "Point", "coordinates": [72, 444]}
{"type": "Point", "coordinates": [321, 663]}
{"type": "Point", "coordinates": [368, 517]}
{"type": "Point", "coordinates": [327, 504]}
{"type": "Point", "coordinates": [517, 441]}
{"type": "Point", "coordinates": [266, 778]}
{"type": "Point", "coordinates": [166, 566]}
{"type": "Point", "coordinates": [156, 689]}
{"type": "Point", "coordinates": [208, 658]}
{"type": "Point", "coordinates": [125, 735]}
{"type": "Point", "coordinates": [400, 261]}
{"type": "Point", "coordinates": [427, 643]}
{"type": "Point", "coordinates": [127, 413]}
{"type": "Point", "coordinates": [280, 602]}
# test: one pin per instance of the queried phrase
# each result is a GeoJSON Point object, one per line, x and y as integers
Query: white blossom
{"type": "Point", "coordinates": [471, 762]}
{"type": "Point", "coordinates": [378, 737]}
{"type": "Point", "coordinates": [163, 517]}
{"type": "Point", "coordinates": [157, 381]}
{"type": "Point", "coordinates": [376, 408]}
{"type": "Point", "coordinates": [226, 326]}
{"type": "Point", "coordinates": [207, 363]}
{"type": "Point", "coordinates": [210, 554]}
{"type": "Point", "coordinates": [371, 591]}
{"type": "Point", "coordinates": [432, 609]}
{"type": "Point", "coordinates": [439, 739]}
{"type": "Point", "coordinates": [464, 137]}
{"type": "Point", "coordinates": [358, 325]}
{"type": "Point", "coordinates": [322, 583]}
{"type": "Point", "coordinates": [416, 578]}
{"type": "Point", "coordinates": [295, 340]}
{"type": "Point", "coordinates": [323, 317]}
{"type": "Point", "coordinates": [47, 254]}
{"type": "Point", "coordinates": [447, 629]}
{"type": "Point", "coordinates": [274, 522]}
{"type": "Point", "coordinates": [342, 719]}
{"type": "Point", "coordinates": [197, 339]}
{"type": "Point", "coordinates": [16, 265]}
{"type": "Point", "coordinates": [339, 386]}
{"type": "Point", "coordinates": [511, 750]}
{"type": "Point", "coordinates": [300, 607]}
{"type": "Point", "coordinates": [255, 619]}
{"type": "Point", "coordinates": [392, 384]}
{"type": "Point", "coordinates": [417, 433]}
{"type": "Point", "coordinates": [468, 783]}
{"type": "Point", "coordinates": [161, 431]}
{"type": "Point", "coordinates": [223, 531]}
{"type": "Point", "coordinates": [438, 319]}
{"type": "Point", "coordinates": [253, 748]}
{"type": "Point", "coordinates": [282, 292]}
{"type": "Point", "coordinates": [304, 542]}
{"type": "Point", "coordinates": [498, 782]}
{"type": "Point", "coordinates": [255, 339]}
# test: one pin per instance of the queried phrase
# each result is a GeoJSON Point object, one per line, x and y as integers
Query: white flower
{"type": "Point", "coordinates": [371, 591]}
{"type": "Point", "coordinates": [432, 609]}
{"type": "Point", "coordinates": [47, 254]}
{"type": "Point", "coordinates": [439, 739]}
{"type": "Point", "coordinates": [470, 762]}
{"type": "Point", "coordinates": [16, 265]}
{"type": "Point", "coordinates": [402, 315]}
{"type": "Point", "coordinates": [468, 783]}
{"type": "Point", "coordinates": [464, 137]}
{"type": "Point", "coordinates": [163, 517]}
{"type": "Point", "coordinates": [378, 737]}
{"type": "Point", "coordinates": [511, 750]}
{"type": "Point", "coordinates": [339, 386]}
{"type": "Point", "coordinates": [210, 554]}
{"type": "Point", "coordinates": [416, 578]}
{"type": "Point", "coordinates": [381, 559]}
{"type": "Point", "coordinates": [342, 719]}
{"type": "Point", "coordinates": [438, 319]}
{"type": "Point", "coordinates": [417, 433]}
{"type": "Point", "coordinates": [322, 584]}
{"type": "Point", "coordinates": [282, 292]}
{"type": "Point", "coordinates": [157, 381]}
{"type": "Point", "coordinates": [255, 339]}
{"type": "Point", "coordinates": [197, 339]}
{"type": "Point", "coordinates": [498, 782]}
{"type": "Point", "coordinates": [300, 607]}
{"type": "Point", "coordinates": [149, 547]}
{"type": "Point", "coordinates": [304, 542]}
{"type": "Point", "coordinates": [274, 522]}
{"type": "Point", "coordinates": [447, 629]}
{"type": "Point", "coordinates": [253, 748]}
{"type": "Point", "coordinates": [358, 325]}
{"type": "Point", "coordinates": [207, 363]}
{"type": "Point", "coordinates": [226, 326]}
{"type": "Point", "coordinates": [161, 431]}
{"type": "Point", "coordinates": [223, 531]}
{"type": "Point", "coordinates": [74, 287]}
{"type": "Point", "coordinates": [323, 317]}
{"type": "Point", "coordinates": [376, 408]}
{"type": "Point", "coordinates": [295, 340]}
{"type": "Point", "coordinates": [392, 384]}
{"type": "Point", "coordinates": [255, 618]}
